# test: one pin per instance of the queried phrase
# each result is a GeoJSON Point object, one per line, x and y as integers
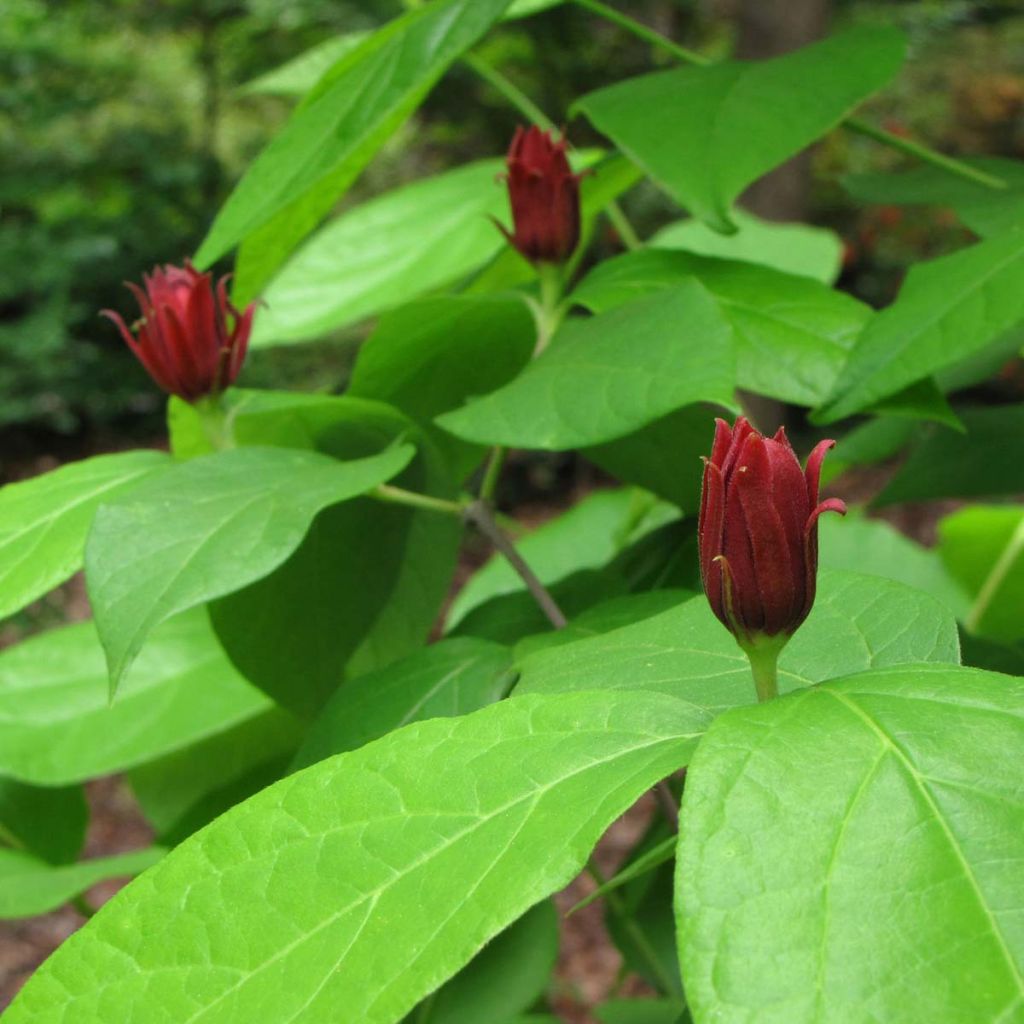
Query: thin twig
{"type": "Point", "coordinates": [400, 496]}
{"type": "Point", "coordinates": [480, 514]}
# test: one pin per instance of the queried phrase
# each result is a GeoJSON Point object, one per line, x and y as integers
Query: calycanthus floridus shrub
{"type": "Point", "coordinates": [354, 825]}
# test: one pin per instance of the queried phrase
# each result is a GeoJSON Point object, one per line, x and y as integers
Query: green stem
{"type": "Point", "coordinates": [922, 152]}
{"type": "Point", "coordinates": [855, 124]}
{"type": "Point", "coordinates": [400, 496]}
{"type": "Point", "coordinates": [636, 933]}
{"type": "Point", "coordinates": [630, 239]}
{"type": "Point", "coordinates": [550, 311]}
{"type": "Point", "coordinates": [995, 579]}
{"type": "Point", "coordinates": [763, 655]}
{"type": "Point", "coordinates": [510, 91]}
{"type": "Point", "coordinates": [492, 473]}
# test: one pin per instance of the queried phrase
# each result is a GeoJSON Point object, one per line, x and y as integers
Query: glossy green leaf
{"type": "Point", "coordinates": [353, 110]}
{"type": "Point", "coordinates": [338, 606]}
{"type": "Point", "coordinates": [29, 886]}
{"type": "Point", "coordinates": [858, 622]}
{"type": "Point", "coordinates": [453, 827]}
{"type": "Point", "coordinates": [57, 725]}
{"type": "Point", "coordinates": [507, 976]}
{"type": "Point", "coordinates": [949, 309]}
{"type": "Point", "coordinates": [447, 679]}
{"type": "Point", "coordinates": [606, 376]}
{"type": "Point", "coordinates": [793, 335]}
{"type": "Point", "coordinates": [585, 537]}
{"type": "Point", "coordinates": [431, 356]}
{"type": "Point", "coordinates": [705, 133]}
{"type": "Point", "coordinates": [206, 528]}
{"type": "Point", "coordinates": [386, 251]}
{"type": "Point", "coordinates": [983, 462]}
{"type": "Point", "coordinates": [853, 852]}
{"type": "Point", "coordinates": [799, 249]}
{"type": "Point", "coordinates": [192, 785]}
{"type": "Point", "coordinates": [984, 210]}
{"type": "Point", "coordinates": [48, 822]}
{"type": "Point", "coordinates": [983, 549]}
{"type": "Point", "coordinates": [44, 520]}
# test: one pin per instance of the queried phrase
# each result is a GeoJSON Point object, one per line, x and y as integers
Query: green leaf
{"type": "Point", "coordinates": [986, 211]}
{"type": "Point", "coordinates": [852, 852]}
{"type": "Point", "coordinates": [606, 376]}
{"type": "Point", "coordinates": [705, 133]}
{"type": "Point", "coordinates": [983, 549]}
{"type": "Point", "coordinates": [206, 528]}
{"type": "Point", "coordinates": [921, 400]}
{"type": "Point", "coordinates": [585, 537]}
{"type": "Point", "coordinates": [453, 827]}
{"type": "Point", "coordinates": [447, 679]}
{"type": "Point", "coordinates": [793, 335]}
{"type": "Point", "coordinates": [431, 356]}
{"type": "Point", "coordinates": [44, 520]}
{"type": "Point", "coordinates": [858, 622]}
{"type": "Point", "coordinates": [983, 462]}
{"type": "Point", "coordinates": [396, 246]}
{"type": "Point", "coordinates": [870, 443]}
{"type": "Point", "coordinates": [338, 605]}
{"type": "Point", "coordinates": [799, 249]}
{"type": "Point", "coordinates": [507, 976]}
{"type": "Point", "coordinates": [948, 310]}
{"type": "Point", "coordinates": [639, 458]}
{"type": "Point", "coordinates": [872, 546]}
{"type": "Point", "coordinates": [190, 786]}
{"type": "Point", "coordinates": [353, 110]}
{"type": "Point", "coordinates": [48, 822]}
{"type": "Point", "coordinates": [296, 77]}
{"type": "Point", "coordinates": [29, 886]}
{"type": "Point", "coordinates": [57, 725]}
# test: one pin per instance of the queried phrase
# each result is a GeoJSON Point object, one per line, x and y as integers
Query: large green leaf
{"type": "Point", "coordinates": [44, 521]}
{"type": "Point", "coordinates": [385, 252]}
{"type": "Point", "coordinates": [507, 976]}
{"type": "Point", "coordinates": [351, 112]}
{"type": "Point", "coordinates": [379, 872]}
{"type": "Point", "coordinates": [983, 549]}
{"type": "Point", "coordinates": [431, 356]}
{"type": "Point", "coordinates": [948, 310]}
{"type": "Point", "coordinates": [450, 678]}
{"type": "Point", "coordinates": [874, 547]}
{"type": "Point", "coordinates": [606, 376]}
{"type": "Point", "coordinates": [48, 822]}
{"type": "Point", "coordinates": [858, 622]}
{"type": "Point", "coordinates": [57, 725]}
{"type": "Point", "coordinates": [983, 462]}
{"type": "Point", "coordinates": [800, 249]}
{"type": "Point", "coordinates": [792, 334]}
{"type": "Point", "coordinates": [585, 537]}
{"type": "Point", "coordinates": [853, 852]}
{"type": "Point", "coordinates": [705, 133]}
{"type": "Point", "coordinates": [188, 787]}
{"type": "Point", "coordinates": [297, 76]}
{"type": "Point", "coordinates": [29, 886]}
{"type": "Point", "coordinates": [338, 605]}
{"type": "Point", "coordinates": [206, 528]}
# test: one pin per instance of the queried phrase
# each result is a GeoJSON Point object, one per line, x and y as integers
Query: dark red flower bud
{"type": "Point", "coordinates": [758, 531]}
{"type": "Point", "coordinates": [190, 338]}
{"type": "Point", "coordinates": [545, 197]}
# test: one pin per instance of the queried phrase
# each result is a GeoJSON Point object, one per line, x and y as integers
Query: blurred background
{"type": "Point", "coordinates": [124, 124]}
